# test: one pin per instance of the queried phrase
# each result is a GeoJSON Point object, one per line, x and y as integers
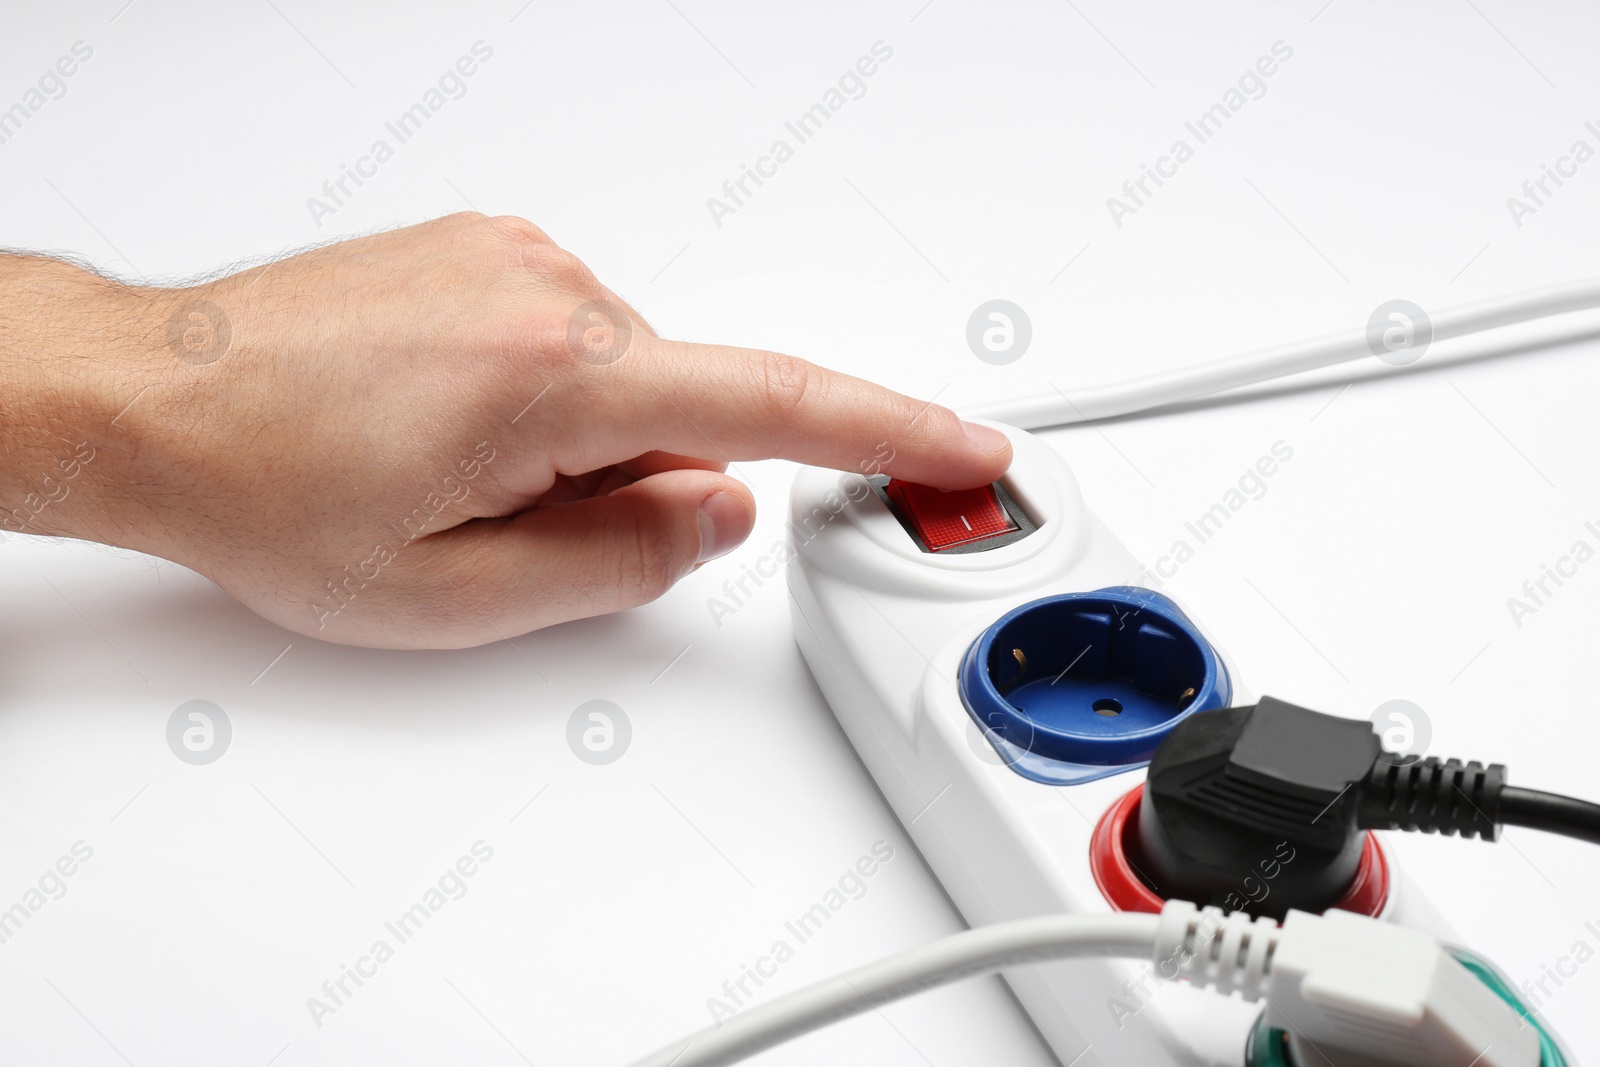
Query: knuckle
{"type": "Point", "coordinates": [649, 560]}
{"type": "Point", "coordinates": [787, 382]}
{"type": "Point", "coordinates": [941, 422]}
{"type": "Point", "coordinates": [512, 229]}
{"type": "Point", "coordinates": [557, 263]}
{"type": "Point", "coordinates": [552, 267]}
{"type": "Point", "coordinates": [526, 252]}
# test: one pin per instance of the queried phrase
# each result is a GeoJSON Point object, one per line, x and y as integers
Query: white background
{"type": "Point", "coordinates": [976, 166]}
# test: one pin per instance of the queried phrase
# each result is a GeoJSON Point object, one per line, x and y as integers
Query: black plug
{"type": "Point", "coordinates": [1264, 808]}
{"type": "Point", "coordinates": [1245, 799]}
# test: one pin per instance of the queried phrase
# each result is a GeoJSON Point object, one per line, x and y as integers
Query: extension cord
{"type": "Point", "coordinates": [909, 647]}
{"type": "Point", "coordinates": [886, 628]}
{"type": "Point", "coordinates": [931, 621]}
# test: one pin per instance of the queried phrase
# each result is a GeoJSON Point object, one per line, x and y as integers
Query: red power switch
{"type": "Point", "coordinates": [944, 518]}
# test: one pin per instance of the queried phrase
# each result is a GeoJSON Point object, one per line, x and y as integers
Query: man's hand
{"type": "Point", "coordinates": [435, 437]}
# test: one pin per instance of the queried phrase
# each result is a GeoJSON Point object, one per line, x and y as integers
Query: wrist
{"type": "Point", "coordinates": [73, 349]}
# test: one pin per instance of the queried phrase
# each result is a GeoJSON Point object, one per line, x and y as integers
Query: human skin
{"type": "Point", "coordinates": [435, 437]}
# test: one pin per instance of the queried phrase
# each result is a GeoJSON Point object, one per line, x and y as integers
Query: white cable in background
{"type": "Point", "coordinates": [1193, 383]}
{"type": "Point", "coordinates": [971, 952]}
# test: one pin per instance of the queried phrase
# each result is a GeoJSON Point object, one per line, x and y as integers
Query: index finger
{"type": "Point", "coordinates": [739, 403]}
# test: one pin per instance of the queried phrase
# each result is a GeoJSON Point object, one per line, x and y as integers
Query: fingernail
{"type": "Point", "coordinates": [987, 438]}
{"type": "Point", "coordinates": [724, 524]}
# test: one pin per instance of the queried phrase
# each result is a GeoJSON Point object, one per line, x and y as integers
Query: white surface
{"type": "Point", "coordinates": [1376, 167]}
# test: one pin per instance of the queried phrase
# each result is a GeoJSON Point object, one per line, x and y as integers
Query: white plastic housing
{"type": "Point", "coordinates": [883, 627]}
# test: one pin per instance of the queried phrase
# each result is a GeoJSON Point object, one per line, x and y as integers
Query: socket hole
{"type": "Point", "coordinates": [1107, 706]}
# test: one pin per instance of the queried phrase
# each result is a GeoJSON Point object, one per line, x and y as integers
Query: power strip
{"type": "Point", "coordinates": [1007, 685]}
{"type": "Point", "coordinates": [912, 643]}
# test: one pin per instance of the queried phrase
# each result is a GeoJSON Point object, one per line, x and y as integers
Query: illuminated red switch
{"type": "Point", "coordinates": [944, 518]}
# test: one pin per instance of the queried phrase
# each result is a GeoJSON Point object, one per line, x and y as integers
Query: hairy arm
{"type": "Point", "coordinates": [439, 436]}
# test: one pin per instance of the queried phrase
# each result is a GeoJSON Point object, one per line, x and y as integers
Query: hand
{"type": "Point", "coordinates": [435, 437]}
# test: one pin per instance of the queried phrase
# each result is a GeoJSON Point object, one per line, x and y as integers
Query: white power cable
{"type": "Point", "coordinates": [971, 952]}
{"type": "Point", "coordinates": [1206, 379]}
{"type": "Point", "coordinates": [1354, 989]}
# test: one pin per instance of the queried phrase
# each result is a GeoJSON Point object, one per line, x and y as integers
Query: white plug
{"type": "Point", "coordinates": [1349, 991]}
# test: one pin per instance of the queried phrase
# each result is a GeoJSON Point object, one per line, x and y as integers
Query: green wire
{"type": "Point", "coordinates": [1270, 1048]}
{"type": "Point", "coordinates": [1549, 1052]}
{"type": "Point", "coordinates": [1267, 1047]}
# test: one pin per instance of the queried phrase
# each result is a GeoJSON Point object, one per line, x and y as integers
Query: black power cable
{"type": "Point", "coordinates": [1551, 812]}
{"type": "Point", "coordinates": [1273, 792]}
{"type": "Point", "coordinates": [1432, 796]}
{"type": "Point", "coordinates": [1450, 797]}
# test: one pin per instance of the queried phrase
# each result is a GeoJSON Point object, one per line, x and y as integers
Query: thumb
{"type": "Point", "coordinates": [594, 556]}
